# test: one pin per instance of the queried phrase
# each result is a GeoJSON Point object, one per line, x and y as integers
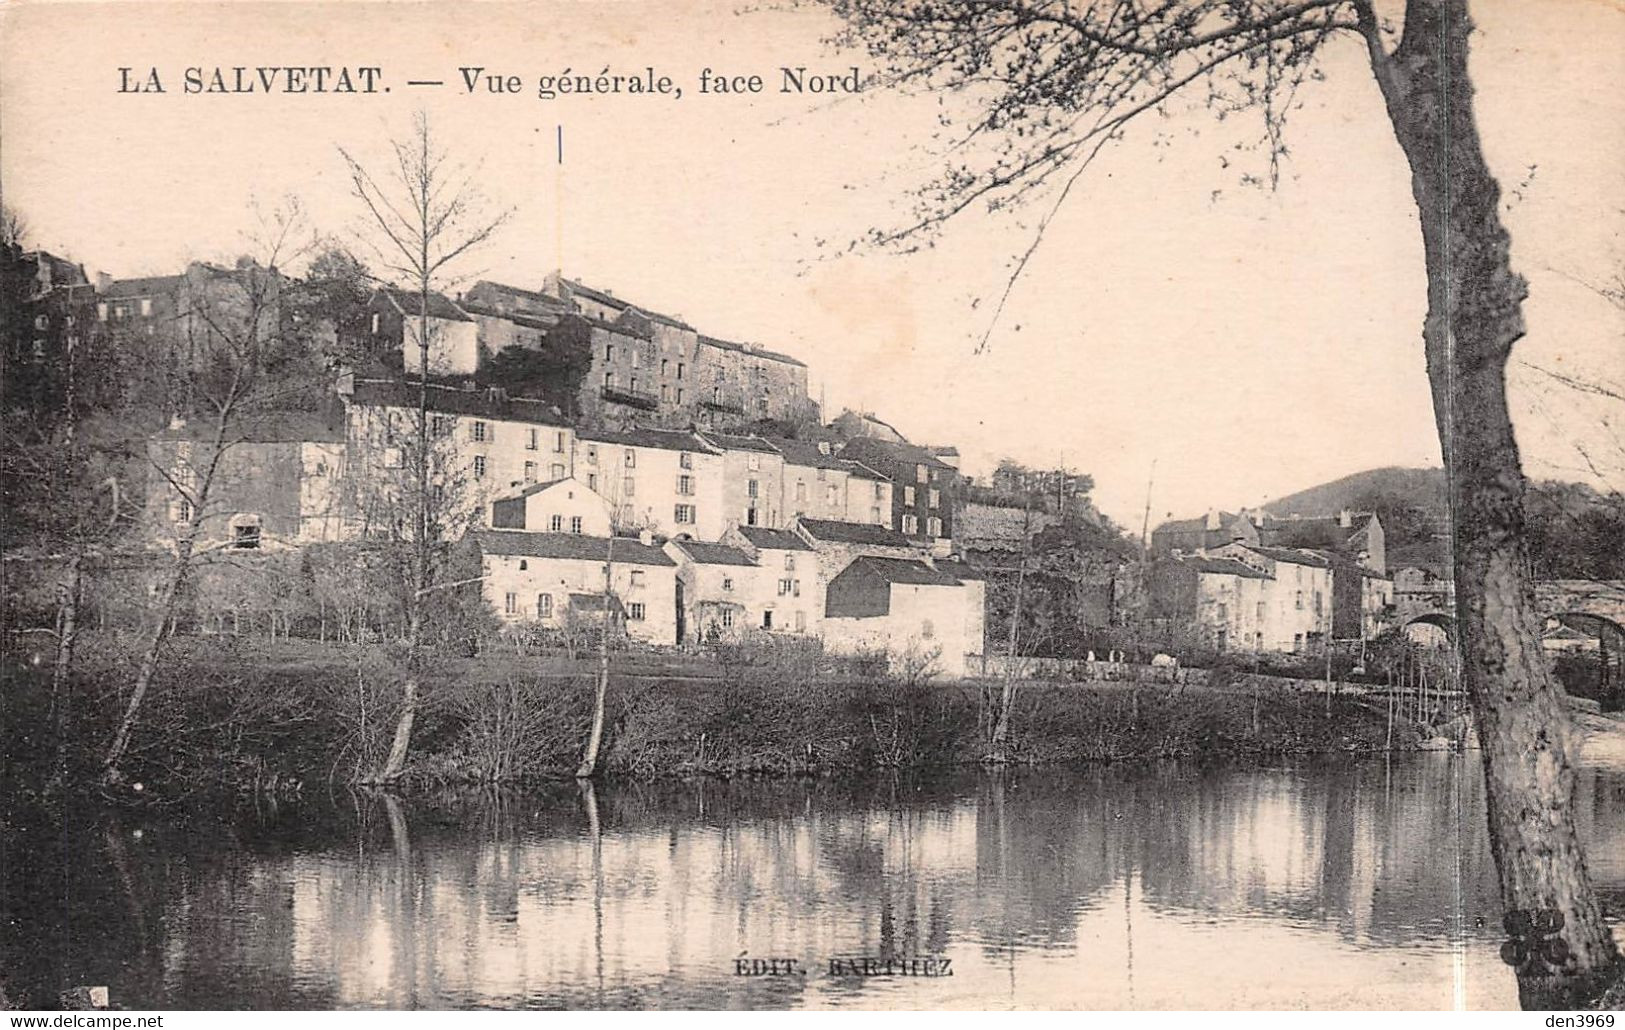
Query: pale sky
{"type": "Point", "coordinates": [1250, 343]}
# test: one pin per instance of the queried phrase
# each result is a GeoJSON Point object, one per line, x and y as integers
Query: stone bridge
{"type": "Point", "coordinates": [1600, 599]}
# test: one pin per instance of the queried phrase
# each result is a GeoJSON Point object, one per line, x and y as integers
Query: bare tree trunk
{"type": "Point", "coordinates": [161, 630]}
{"type": "Point", "coordinates": [1562, 947]}
{"type": "Point", "coordinates": [67, 631]}
{"type": "Point", "coordinates": [402, 742]}
{"type": "Point", "coordinates": [1007, 690]}
{"type": "Point", "coordinates": [595, 736]}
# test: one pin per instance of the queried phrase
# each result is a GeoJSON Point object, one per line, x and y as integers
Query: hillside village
{"type": "Point", "coordinates": [597, 459]}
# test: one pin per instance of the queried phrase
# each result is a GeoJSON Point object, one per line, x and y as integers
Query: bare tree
{"type": "Point", "coordinates": [14, 228]}
{"type": "Point", "coordinates": [1049, 83]}
{"type": "Point", "coordinates": [229, 378]}
{"type": "Point", "coordinates": [421, 216]}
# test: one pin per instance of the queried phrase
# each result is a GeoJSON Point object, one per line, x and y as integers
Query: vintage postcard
{"type": "Point", "coordinates": [837, 504]}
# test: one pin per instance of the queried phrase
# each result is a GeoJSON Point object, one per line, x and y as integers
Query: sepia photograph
{"type": "Point", "coordinates": [839, 505]}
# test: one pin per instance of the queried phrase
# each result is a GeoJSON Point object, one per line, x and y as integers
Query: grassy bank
{"type": "Point", "coordinates": [236, 715]}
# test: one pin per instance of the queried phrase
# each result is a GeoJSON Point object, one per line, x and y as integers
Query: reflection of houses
{"type": "Point", "coordinates": [552, 578]}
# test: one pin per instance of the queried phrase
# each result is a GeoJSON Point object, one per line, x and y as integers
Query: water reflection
{"type": "Point", "coordinates": [1348, 884]}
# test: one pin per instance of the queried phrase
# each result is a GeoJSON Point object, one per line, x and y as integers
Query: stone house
{"type": "Point", "coordinates": [907, 608]}
{"type": "Point", "coordinates": [665, 481]}
{"type": "Point", "coordinates": [549, 578]}
{"type": "Point", "coordinates": [715, 591]}
{"type": "Point", "coordinates": [394, 325]}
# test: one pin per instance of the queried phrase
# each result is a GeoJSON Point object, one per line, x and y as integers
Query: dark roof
{"type": "Point", "coordinates": [144, 287]}
{"type": "Point", "coordinates": [664, 439]}
{"type": "Point", "coordinates": [440, 306]}
{"type": "Point", "coordinates": [570, 545]}
{"type": "Point", "coordinates": [610, 300]}
{"type": "Point", "coordinates": [1196, 525]}
{"type": "Point", "coordinates": [713, 554]}
{"type": "Point", "coordinates": [876, 453]}
{"type": "Point", "coordinates": [806, 452]}
{"type": "Point", "coordinates": [906, 570]}
{"type": "Point", "coordinates": [853, 532]}
{"type": "Point", "coordinates": [1314, 531]}
{"type": "Point", "coordinates": [862, 471]}
{"type": "Point", "coordinates": [595, 603]}
{"type": "Point", "coordinates": [959, 569]}
{"type": "Point", "coordinates": [1222, 566]}
{"type": "Point", "coordinates": [508, 316]}
{"type": "Point", "coordinates": [773, 539]}
{"type": "Point", "coordinates": [1293, 556]}
{"type": "Point", "coordinates": [450, 400]}
{"type": "Point", "coordinates": [760, 352]}
{"type": "Point", "coordinates": [534, 488]}
{"type": "Point", "coordinates": [739, 443]}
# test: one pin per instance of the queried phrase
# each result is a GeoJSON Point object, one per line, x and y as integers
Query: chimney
{"type": "Point", "coordinates": [104, 282]}
{"type": "Point", "coordinates": [645, 537]}
{"type": "Point", "coordinates": [823, 447]}
{"type": "Point", "coordinates": [1345, 518]}
{"type": "Point", "coordinates": [1213, 523]}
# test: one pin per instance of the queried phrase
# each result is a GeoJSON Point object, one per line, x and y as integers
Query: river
{"type": "Point", "coordinates": [1323, 883]}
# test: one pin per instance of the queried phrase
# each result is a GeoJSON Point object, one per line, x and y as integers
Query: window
{"type": "Point", "coordinates": [801, 490]}
{"type": "Point", "coordinates": [680, 368]}
{"type": "Point", "coordinates": [556, 524]}
{"type": "Point", "coordinates": [544, 606]}
{"type": "Point", "coordinates": [911, 524]}
{"type": "Point", "coordinates": [634, 384]}
{"type": "Point", "coordinates": [727, 618]}
{"type": "Point", "coordinates": [609, 352]}
{"type": "Point", "coordinates": [786, 586]}
{"type": "Point", "coordinates": [510, 603]}
{"type": "Point", "coordinates": [634, 611]}
{"type": "Point", "coordinates": [631, 458]}
{"type": "Point", "coordinates": [592, 455]}
{"type": "Point", "coordinates": [685, 459]}
{"type": "Point", "coordinates": [1223, 611]}
{"type": "Point", "coordinates": [637, 577]}
{"type": "Point", "coordinates": [592, 481]}
{"type": "Point", "coordinates": [1297, 642]}
{"type": "Point", "coordinates": [767, 620]}
{"type": "Point", "coordinates": [530, 439]}
{"type": "Point", "coordinates": [480, 431]}
{"type": "Point", "coordinates": [558, 443]}
{"type": "Point", "coordinates": [750, 516]}
{"type": "Point", "coordinates": [789, 563]}
{"type": "Point", "coordinates": [101, 315]}
{"type": "Point", "coordinates": [575, 524]}
{"type": "Point", "coordinates": [628, 486]}
{"type": "Point", "coordinates": [832, 495]}
{"type": "Point", "coordinates": [753, 462]}
{"type": "Point", "coordinates": [879, 492]}
{"type": "Point", "coordinates": [665, 392]}
{"type": "Point", "coordinates": [927, 630]}
{"type": "Point", "coordinates": [908, 496]}
{"type": "Point", "coordinates": [933, 526]}
{"type": "Point", "coordinates": [609, 380]}
{"type": "Point", "coordinates": [1261, 611]}
{"type": "Point", "coordinates": [920, 473]}
{"type": "Point", "coordinates": [683, 514]}
{"type": "Point", "coordinates": [936, 498]}
{"type": "Point", "coordinates": [679, 395]}
{"type": "Point", "coordinates": [245, 532]}
{"type": "Point", "coordinates": [874, 515]}
{"type": "Point", "coordinates": [41, 322]}
{"type": "Point", "coordinates": [753, 488]}
{"type": "Point", "coordinates": [523, 565]}
{"type": "Point", "coordinates": [530, 472]}
{"type": "Point", "coordinates": [634, 364]}
{"type": "Point", "coordinates": [822, 475]}
{"type": "Point", "coordinates": [1300, 599]}
{"type": "Point", "coordinates": [479, 466]}
{"type": "Point", "coordinates": [801, 621]}
{"type": "Point", "coordinates": [555, 472]}
{"type": "Point", "coordinates": [183, 511]}
{"type": "Point", "coordinates": [728, 583]}
{"type": "Point", "coordinates": [665, 366]}
{"type": "Point", "coordinates": [442, 425]}
{"type": "Point", "coordinates": [685, 485]}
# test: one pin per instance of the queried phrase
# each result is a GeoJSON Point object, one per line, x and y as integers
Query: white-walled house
{"type": "Point", "coordinates": [666, 482]}
{"type": "Point", "coordinates": [395, 322]}
{"type": "Point", "coordinates": [544, 577]}
{"type": "Point", "coordinates": [717, 590]}
{"type": "Point", "coordinates": [560, 506]}
{"type": "Point", "coordinates": [1294, 611]}
{"type": "Point", "coordinates": [789, 582]}
{"type": "Point", "coordinates": [907, 608]}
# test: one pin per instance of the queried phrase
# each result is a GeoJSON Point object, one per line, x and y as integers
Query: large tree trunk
{"type": "Point", "coordinates": [402, 742]}
{"type": "Point", "coordinates": [1562, 948]}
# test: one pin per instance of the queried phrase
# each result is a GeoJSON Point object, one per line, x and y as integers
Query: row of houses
{"type": "Point", "coordinates": [1252, 581]}
{"type": "Point", "coordinates": [551, 559]}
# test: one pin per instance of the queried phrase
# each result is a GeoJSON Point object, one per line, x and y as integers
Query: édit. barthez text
{"type": "Point", "coordinates": [234, 80]}
{"type": "Point", "coordinates": [864, 965]}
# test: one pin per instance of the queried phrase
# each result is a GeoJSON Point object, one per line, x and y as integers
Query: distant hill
{"type": "Point", "coordinates": [1420, 489]}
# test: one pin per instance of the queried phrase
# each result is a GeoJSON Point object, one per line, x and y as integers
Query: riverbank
{"type": "Point", "coordinates": [235, 715]}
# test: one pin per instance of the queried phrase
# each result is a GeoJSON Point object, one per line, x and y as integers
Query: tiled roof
{"type": "Point", "coordinates": [773, 539]}
{"type": "Point", "coordinates": [907, 571]}
{"type": "Point", "coordinates": [516, 318]}
{"type": "Point", "coordinates": [738, 443]}
{"type": "Point", "coordinates": [440, 306]}
{"type": "Point", "coordinates": [662, 439]}
{"type": "Point", "coordinates": [610, 300]}
{"type": "Point", "coordinates": [1314, 531]}
{"type": "Point", "coordinates": [452, 401]}
{"type": "Point", "coordinates": [518, 543]}
{"type": "Point", "coordinates": [534, 488]}
{"type": "Point", "coordinates": [713, 554]}
{"type": "Point", "coordinates": [1222, 566]}
{"type": "Point", "coordinates": [806, 452]}
{"type": "Point", "coordinates": [853, 533]}
{"type": "Point", "coordinates": [271, 427]}
{"type": "Point", "coordinates": [144, 287]}
{"type": "Point", "coordinates": [960, 570]}
{"type": "Point", "coordinates": [760, 352]}
{"type": "Point", "coordinates": [1293, 556]}
{"type": "Point", "coordinates": [876, 453]}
